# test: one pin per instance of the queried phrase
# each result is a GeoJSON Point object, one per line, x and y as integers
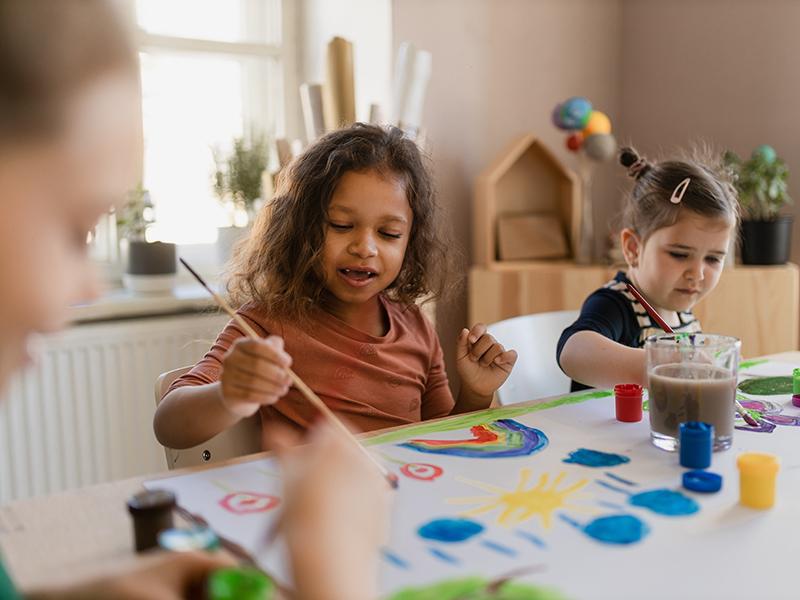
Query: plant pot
{"type": "Point", "coordinates": [766, 242]}
{"type": "Point", "coordinates": [151, 267]}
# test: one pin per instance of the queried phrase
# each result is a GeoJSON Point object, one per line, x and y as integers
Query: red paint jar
{"type": "Point", "coordinates": [628, 400]}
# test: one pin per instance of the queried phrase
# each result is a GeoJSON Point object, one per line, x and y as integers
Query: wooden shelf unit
{"type": "Point", "coordinates": [759, 305]}
{"type": "Point", "coordinates": [526, 178]}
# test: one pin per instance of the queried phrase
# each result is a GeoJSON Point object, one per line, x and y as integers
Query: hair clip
{"type": "Point", "coordinates": [680, 190]}
{"type": "Point", "coordinates": [637, 167]}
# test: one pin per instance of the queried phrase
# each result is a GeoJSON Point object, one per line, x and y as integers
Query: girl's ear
{"type": "Point", "coordinates": [631, 246]}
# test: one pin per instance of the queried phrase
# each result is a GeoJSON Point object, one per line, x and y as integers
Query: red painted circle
{"type": "Point", "coordinates": [421, 471]}
{"type": "Point", "coordinates": [245, 503]}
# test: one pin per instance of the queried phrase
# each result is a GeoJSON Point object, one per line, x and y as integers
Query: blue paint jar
{"type": "Point", "coordinates": [696, 443]}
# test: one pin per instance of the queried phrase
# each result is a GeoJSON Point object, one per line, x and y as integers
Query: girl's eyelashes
{"type": "Point", "coordinates": [712, 259]}
{"type": "Point", "coordinates": [343, 227]}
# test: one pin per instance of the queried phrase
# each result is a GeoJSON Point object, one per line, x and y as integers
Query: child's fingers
{"type": "Point", "coordinates": [262, 371]}
{"type": "Point", "coordinates": [481, 346]}
{"type": "Point", "coordinates": [506, 360]}
{"type": "Point", "coordinates": [476, 332]}
{"type": "Point", "coordinates": [488, 357]}
{"type": "Point", "coordinates": [267, 376]}
{"type": "Point", "coordinates": [243, 386]}
{"type": "Point", "coordinates": [270, 348]}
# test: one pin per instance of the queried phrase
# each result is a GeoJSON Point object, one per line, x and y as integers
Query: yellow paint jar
{"type": "Point", "coordinates": [757, 473]}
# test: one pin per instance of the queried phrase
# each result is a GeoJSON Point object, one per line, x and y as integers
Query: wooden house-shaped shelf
{"type": "Point", "coordinates": [526, 179]}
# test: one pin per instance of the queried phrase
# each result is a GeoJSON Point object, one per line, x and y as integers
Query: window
{"type": "Point", "coordinates": [210, 70]}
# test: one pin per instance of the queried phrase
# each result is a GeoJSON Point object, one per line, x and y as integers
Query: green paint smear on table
{"type": "Point", "coordinates": [478, 418]}
{"type": "Point", "coordinates": [747, 364]}
{"type": "Point", "coordinates": [767, 386]}
{"type": "Point", "coordinates": [477, 588]}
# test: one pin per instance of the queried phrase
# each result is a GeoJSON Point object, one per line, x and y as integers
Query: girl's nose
{"type": "Point", "coordinates": [364, 246]}
{"type": "Point", "coordinates": [695, 271]}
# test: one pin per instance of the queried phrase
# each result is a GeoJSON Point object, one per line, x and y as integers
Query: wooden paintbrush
{"type": "Point", "coordinates": [306, 391]}
{"type": "Point", "coordinates": [663, 324]}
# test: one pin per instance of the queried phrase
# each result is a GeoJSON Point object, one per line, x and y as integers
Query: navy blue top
{"type": "Point", "coordinates": [613, 312]}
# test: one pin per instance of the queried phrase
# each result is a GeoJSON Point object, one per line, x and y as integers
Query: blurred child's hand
{"type": "Point", "coordinates": [335, 513]}
{"type": "Point", "coordinates": [160, 576]}
{"type": "Point", "coordinates": [482, 362]}
{"type": "Point", "coordinates": [254, 372]}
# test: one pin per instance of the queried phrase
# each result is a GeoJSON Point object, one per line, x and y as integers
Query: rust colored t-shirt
{"type": "Point", "coordinates": [373, 382]}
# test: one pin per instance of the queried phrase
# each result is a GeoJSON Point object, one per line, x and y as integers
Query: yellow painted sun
{"type": "Point", "coordinates": [520, 504]}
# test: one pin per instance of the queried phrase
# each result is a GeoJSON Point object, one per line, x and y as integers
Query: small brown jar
{"type": "Point", "coordinates": [152, 513]}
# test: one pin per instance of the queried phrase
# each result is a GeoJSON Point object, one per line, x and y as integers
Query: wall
{"type": "Point", "coordinates": [499, 67]}
{"type": "Point", "coordinates": [366, 23]}
{"type": "Point", "coordinates": [725, 72]}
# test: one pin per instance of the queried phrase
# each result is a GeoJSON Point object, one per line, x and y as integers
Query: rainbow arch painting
{"type": "Point", "coordinates": [498, 439]}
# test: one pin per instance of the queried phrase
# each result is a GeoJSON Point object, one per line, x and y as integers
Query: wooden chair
{"type": "Point", "coordinates": [241, 439]}
{"type": "Point", "coordinates": [534, 337]}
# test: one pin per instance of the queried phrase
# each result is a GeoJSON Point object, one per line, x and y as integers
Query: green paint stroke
{"type": "Point", "coordinates": [767, 386]}
{"type": "Point", "coordinates": [747, 364]}
{"type": "Point", "coordinates": [477, 588]}
{"type": "Point", "coordinates": [468, 420]}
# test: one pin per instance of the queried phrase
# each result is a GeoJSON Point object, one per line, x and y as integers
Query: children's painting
{"type": "Point", "coordinates": [554, 500]}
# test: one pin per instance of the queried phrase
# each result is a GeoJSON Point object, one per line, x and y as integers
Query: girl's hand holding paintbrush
{"type": "Point", "coordinates": [254, 373]}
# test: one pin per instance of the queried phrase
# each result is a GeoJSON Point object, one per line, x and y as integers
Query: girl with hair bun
{"type": "Point", "coordinates": [678, 220]}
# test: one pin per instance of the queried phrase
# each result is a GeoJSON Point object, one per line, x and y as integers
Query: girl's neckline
{"type": "Point", "coordinates": [358, 334]}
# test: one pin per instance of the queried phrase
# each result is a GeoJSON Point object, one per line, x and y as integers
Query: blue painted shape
{"type": "Point", "coordinates": [665, 502]}
{"type": "Point", "coordinates": [617, 529]}
{"type": "Point", "coordinates": [620, 479]}
{"type": "Point", "coordinates": [450, 530]}
{"type": "Point", "coordinates": [498, 548]}
{"type": "Point", "coordinates": [444, 556]}
{"type": "Point", "coordinates": [395, 560]}
{"type": "Point", "coordinates": [611, 487]}
{"type": "Point", "coordinates": [595, 458]}
{"type": "Point", "coordinates": [535, 540]}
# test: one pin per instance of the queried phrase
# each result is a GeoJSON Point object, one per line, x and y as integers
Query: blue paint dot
{"type": "Point", "coordinates": [595, 458]}
{"type": "Point", "coordinates": [665, 502]}
{"type": "Point", "coordinates": [617, 529]}
{"type": "Point", "coordinates": [450, 530]}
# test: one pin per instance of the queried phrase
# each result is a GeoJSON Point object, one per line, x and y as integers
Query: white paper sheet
{"type": "Point", "coordinates": [723, 550]}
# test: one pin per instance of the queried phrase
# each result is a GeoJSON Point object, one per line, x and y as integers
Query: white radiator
{"type": "Point", "coordinates": [84, 413]}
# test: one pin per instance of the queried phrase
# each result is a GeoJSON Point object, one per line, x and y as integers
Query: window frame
{"type": "Point", "coordinates": [265, 79]}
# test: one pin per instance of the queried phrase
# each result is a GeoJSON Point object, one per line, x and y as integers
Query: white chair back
{"type": "Point", "coordinates": [534, 337]}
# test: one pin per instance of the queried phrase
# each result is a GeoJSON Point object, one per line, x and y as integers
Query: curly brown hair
{"type": "Point", "coordinates": [279, 265]}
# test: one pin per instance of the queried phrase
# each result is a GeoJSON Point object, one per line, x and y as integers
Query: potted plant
{"type": "Point", "coordinates": [238, 186]}
{"type": "Point", "coordinates": [763, 191]}
{"type": "Point", "coordinates": [150, 266]}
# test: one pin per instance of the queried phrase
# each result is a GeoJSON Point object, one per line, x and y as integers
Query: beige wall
{"type": "Point", "coordinates": [499, 67]}
{"type": "Point", "coordinates": [667, 72]}
{"type": "Point", "coordinates": [724, 71]}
